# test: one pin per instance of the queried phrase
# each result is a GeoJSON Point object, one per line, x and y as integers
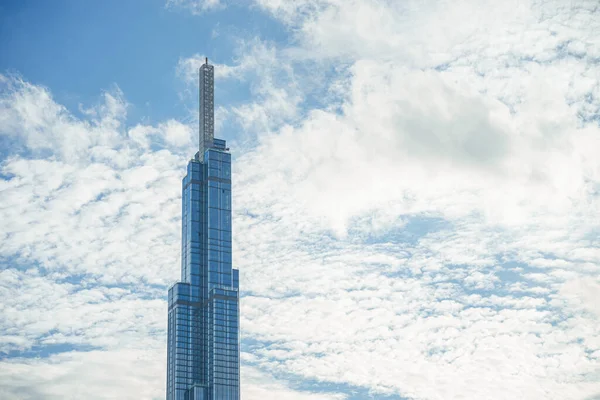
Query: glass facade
{"type": "Point", "coordinates": [203, 360]}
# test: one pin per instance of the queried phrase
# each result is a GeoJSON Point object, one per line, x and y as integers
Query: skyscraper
{"type": "Point", "coordinates": [203, 352]}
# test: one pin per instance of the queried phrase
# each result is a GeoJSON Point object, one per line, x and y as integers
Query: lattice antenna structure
{"type": "Point", "coordinates": [206, 107]}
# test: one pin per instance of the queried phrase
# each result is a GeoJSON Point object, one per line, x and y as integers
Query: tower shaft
{"type": "Point", "coordinates": [203, 350]}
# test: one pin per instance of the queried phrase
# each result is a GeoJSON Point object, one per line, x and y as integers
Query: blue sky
{"type": "Point", "coordinates": [416, 194]}
{"type": "Point", "coordinates": [78, 49]}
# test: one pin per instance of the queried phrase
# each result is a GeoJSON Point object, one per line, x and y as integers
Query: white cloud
{"type": "Point", "coordinates": [258, 385]}
{"type": "Point", "coordinates": [88, 247]}
{"type": "Point", "coordinates": [479, 119]}
{"type": "Point", "coordinates": [123, 374]}
{"type": "Point", "coordinates": [584, 292]}
{"type": "Point", "coordinates": [29, 112]}
{"type": "Point", "coordinates": [271, 82]}
{"type": "Point", "coordinates": [195, 7]}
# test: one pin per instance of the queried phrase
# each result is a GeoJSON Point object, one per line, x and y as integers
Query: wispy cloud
{"type": "Point", "coordinates": [195, 7]}
{"type": "Point", "coordinates": [481, 120]}
{"type": "Point", "coordinates": [89, 243]}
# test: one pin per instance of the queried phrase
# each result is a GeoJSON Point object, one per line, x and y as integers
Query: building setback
{"type": "Point", "coordinates": [203, 350]}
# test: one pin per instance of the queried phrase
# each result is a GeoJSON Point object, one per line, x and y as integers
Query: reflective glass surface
{"type": "Point", "coordinates": [203, 322]}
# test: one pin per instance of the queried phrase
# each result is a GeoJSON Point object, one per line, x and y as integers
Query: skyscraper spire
{"type": "Point", "coordinates": [206, 107]}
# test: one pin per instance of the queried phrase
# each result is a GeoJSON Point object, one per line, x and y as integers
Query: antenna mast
{"type": "Point", "coordinates": [206, 107]}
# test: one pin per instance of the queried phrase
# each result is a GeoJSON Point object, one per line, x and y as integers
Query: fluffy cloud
{"type": "Point", "coordinates": [90, 237]}
{"type": "Point", "coordinates": [454, 175]}
{"type": "Point", "coordinates": [272, 83]}
{"type": "Point", "coordinates": [514, 133]}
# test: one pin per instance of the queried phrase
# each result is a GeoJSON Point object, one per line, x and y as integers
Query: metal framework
{"type": "Point", "coordinates": [206, 107]}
